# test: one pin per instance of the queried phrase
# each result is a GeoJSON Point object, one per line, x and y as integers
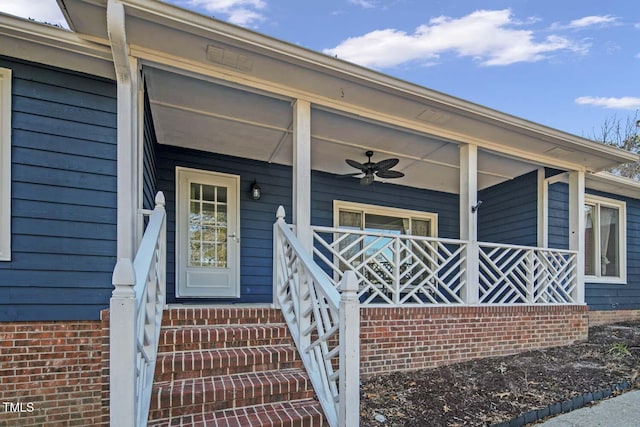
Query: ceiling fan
{"type": "Point", "coordinates": [370, 169]}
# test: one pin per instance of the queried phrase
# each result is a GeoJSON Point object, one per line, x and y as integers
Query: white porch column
{"type": "Point", "coordinates": [576, 228]}
{"type": "Point", "coordinates": [469, 219]}
{"type": "Point", "coordinates": [302, 172]}
{"type": "Point", "coordinates": [122, 337]}
{"type": "Point", "coordinates": [543, 209]}
{"type": "Point", "coordinates": [127, 73]}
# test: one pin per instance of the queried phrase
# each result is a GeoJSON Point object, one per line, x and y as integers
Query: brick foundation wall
{"type": "Point", "coordinates": [603, 317]}
{"type": "Point", "coordinates": [53, 369]}
{"type": "Point", "coordinates": [400, 339]}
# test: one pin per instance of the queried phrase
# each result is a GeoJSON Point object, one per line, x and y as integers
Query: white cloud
{"type": "Point", "coordinates": [491, 37]}
{"type": "Point", "coordinates": [367, 4]}
{"type": "Point", "coordinates": [239, 12]}
{"type": "Point", "coordinates": [590, 21]}
{"type": "Point", "coordinates": [39, 10]}
{"type": "Point", "coordinates": [623, 103]}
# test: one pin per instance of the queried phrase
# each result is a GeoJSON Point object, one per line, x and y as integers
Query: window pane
{"type": "Point", "coordinates": [350, 219]}
{"type": "Point", "coordinates": [383, 223]}
{"type": "Point", "coordinates": [589, 242]}
{"type": "Point", "coordinates": [609, 244]}
{"type": "Point", "coordinates": [420, 227]}
{"type": "Point", "coordinates": [208, 193]}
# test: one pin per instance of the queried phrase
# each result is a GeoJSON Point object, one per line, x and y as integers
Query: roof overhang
{"type": "Point", "coordinates": [609, 183]}
{"type": "Point", "coordinates": [42, 43]}
{"type": "Point", "coordinates": [186, 55]}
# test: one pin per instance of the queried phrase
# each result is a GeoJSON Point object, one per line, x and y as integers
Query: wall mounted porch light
{"type": "Point", "coordinates": [256, 191]}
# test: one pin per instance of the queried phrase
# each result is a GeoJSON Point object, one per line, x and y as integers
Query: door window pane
{"type": "Point", "coordinates": [207, 226]}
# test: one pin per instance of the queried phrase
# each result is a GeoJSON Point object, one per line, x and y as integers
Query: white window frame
{"type": "Point", "coordinates": [339, 205]}
{"type": "Point", "coordinates": [598, 201]}
{"type": "Point", "coordinates": [5, 164]}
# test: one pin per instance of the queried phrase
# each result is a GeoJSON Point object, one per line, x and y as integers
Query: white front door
{"type": "Point", "coordinates": [207, 234]}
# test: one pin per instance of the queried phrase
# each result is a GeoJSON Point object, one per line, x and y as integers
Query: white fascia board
{"type": "Point", "coordinates": [46, 44]}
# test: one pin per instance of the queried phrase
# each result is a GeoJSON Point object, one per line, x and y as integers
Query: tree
{"type": "Point", "coordinates": [623, 134]}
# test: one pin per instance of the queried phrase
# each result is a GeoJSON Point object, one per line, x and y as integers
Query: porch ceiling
{"type": "Point", "coordinates": [208, 115]}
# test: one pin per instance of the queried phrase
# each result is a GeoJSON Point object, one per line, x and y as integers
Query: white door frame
{"type": "Point", "coordinates": [185, 176]}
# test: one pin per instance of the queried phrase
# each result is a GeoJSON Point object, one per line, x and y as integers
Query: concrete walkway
{"type": "Point", "coordinates": [620, 411]}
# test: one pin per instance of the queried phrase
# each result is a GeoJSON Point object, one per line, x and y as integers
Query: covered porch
{"type": "Point", "coordinates": [205, 109]}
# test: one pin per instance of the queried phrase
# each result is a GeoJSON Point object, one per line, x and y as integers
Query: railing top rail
{"type": "Point", "coordinates": [324, 229]}
{"type": "Point", "coordinates": [507, 245]}
{"type": "Point", "coordinates": [318, 275]}
{"type": "Point", "coordinates": [144, 256]}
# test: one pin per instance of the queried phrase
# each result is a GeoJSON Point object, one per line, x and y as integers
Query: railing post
{"type": "Point", "coordinates": [122, 345]}
{"type": "Point", "coordinates": [277, 249]}
{"type": "Point", "coordinates": [531, 265]}
{"type": "Point", "coordinates": [397, 259]}
{"type": "Point", "coordinates": [349, 385]}
{"type": "Point", "coordinates": [471, 291]}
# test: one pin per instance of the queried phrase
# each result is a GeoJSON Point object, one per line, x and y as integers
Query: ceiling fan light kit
{"type": "Point", "coordinates": [381, 169]}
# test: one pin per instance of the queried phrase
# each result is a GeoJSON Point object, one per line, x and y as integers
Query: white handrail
{"type": "Point", "coordinates": [324, 323]}
{"type": "Point", "coordinates": [136, 308]}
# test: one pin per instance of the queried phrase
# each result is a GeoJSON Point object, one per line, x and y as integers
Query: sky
{"type": "Point", "coordinates": [569, 64]}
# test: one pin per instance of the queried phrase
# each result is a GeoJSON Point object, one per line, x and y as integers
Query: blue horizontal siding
{"type": "Point", "coordinates": [63, 195]}
{"type": "Point", "coordinates": [509, 212]}
{"type": "Point", "coordinates": [558, 209]}
{"type": "Point", "coordinates": [149, 162]}
{"type": "Point", "coordinates": [325, 188]}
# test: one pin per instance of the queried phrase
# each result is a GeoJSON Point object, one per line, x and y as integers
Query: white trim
{"type": "Point", "coordinates": [387, 211]}
{"type": "Point", "coordinates": [576, 228]}
{"type": "Point", "coordinates": [5, 164]}
{"type": "Point", "coordinates": [45, 44]}
{"type": "Point", "coordinates": [622, 238]}
{"type": "Point", "coordinates": [543, 209]}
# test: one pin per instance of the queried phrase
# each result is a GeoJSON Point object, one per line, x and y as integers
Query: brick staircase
{"type": "Point", "coordinates": [231, 367]}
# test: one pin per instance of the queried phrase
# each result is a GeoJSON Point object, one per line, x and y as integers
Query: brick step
{"type": "Point", "coordinates": [222, 336]}
{"type": "Point", "coordinates": [201, 395]}
{"type": "Point", "coordinates": [191, 316]}
{"type": "Point", "coordinates": [297, 413]}
{"type": "Point", "coordinates": [216, 362]}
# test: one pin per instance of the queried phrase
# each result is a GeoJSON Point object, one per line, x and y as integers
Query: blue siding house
{"type": "Point", "coordinates": [110, 133]}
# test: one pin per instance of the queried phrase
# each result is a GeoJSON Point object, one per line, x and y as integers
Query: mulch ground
{"type": "Point", "coordinates": [489, 391]}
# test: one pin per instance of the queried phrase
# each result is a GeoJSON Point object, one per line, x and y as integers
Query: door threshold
{"type": "Point", "coordinates": [219, 305]}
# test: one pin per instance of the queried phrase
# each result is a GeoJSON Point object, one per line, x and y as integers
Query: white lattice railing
{"type": "Point", "coordinates": [136, 308]}
{"type": "Point", "coordinates": [511, 274]}
{"type": "Point", "coordinates": [324, 320]}
{"type": "Point", "coordinates": [394, 269]}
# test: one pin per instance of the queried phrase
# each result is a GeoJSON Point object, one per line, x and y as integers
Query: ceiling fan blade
{"type": "Point", "coordinates": [385, 164]}
{"type": "Point", "coordinates": [367, 179]}
{"type": "Point", "coordinates": [356, 165]}
{"type": "Point", "coordinates": [346, 175]}
{"type": "Point", "coordinates": [389, 174]}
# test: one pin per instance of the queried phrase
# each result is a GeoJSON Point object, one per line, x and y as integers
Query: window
{"type": "Point", "coordinates": [378, 219]}
{"type": "Point", "coordinates": [5, 164]}
{"type": "Point", "coordinates": [383, 219]}
{"type": "Point", "coordinates": [605, 239]}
